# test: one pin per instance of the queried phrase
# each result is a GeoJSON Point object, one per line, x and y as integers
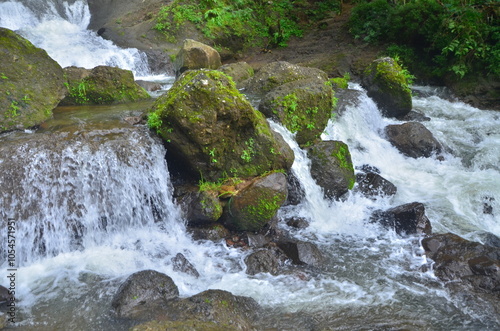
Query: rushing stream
{"type": "Point", "coordinates": [92, 203]}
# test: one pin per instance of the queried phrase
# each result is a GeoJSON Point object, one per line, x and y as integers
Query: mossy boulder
{"type": "Point", "coordinates": [196, 55]}
{"type": "Point", "coordinates": [275, 74]}
{"type": "Point", "coordinates": [303, 106]}
{"type": "Point", "coordinates": [386, 83]}
{"type": "Point", "coordinates": [239, 71]}
{"type": "Point", "coordinates": [331, 167]}
{"type": "Point", "coordinates": [200, 207]}
{"type": "Point", "coordinates": [213, 129]}
{"type": "Point", "coordinates": [31, 83]}
{"type": "Point", "coordinates": [208, 310]}
{"type": "Point", "coordinates": [102, 85]}
{"type": "Point", "coordinates": [254, 206]}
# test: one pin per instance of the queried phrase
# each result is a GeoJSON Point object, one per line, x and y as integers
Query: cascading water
{"type": "Point", "coordinates": [60, 28]}
{"type": "Point", "coordinates": [93, 204]}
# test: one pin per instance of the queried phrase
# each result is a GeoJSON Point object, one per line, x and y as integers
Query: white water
{"type": "Point", "coordinates": [60, 28]}
{"type": "Point", "coordinates": [371, 277]}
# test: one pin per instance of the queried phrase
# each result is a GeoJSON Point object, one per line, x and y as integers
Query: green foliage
{"type": "Point", "coordinates": [455, 36]}
{"type": "Point", "coordinates": [339, 82]}
{"type": "Point", "coordinates": [261, 23]}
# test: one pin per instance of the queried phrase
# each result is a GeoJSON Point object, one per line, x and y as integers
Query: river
{"type": "Point", "coordinates": [92, 203]}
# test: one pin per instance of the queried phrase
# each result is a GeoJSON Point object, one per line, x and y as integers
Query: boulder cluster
{"type": "Point", "coordinates": [234, 172]}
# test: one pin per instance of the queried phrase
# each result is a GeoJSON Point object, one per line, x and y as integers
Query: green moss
{"type": "Point", "coordinates": [343, 156]}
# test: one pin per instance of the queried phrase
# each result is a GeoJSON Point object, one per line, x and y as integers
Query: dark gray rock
{"type": "Point", "coordinates": [265, 260]}
{"type": "Point", "coordinates": [180, 263]}
{"type": "Point", "coordinates": [212, 232]}
{"type": "Point", "coordinates": [297, 222]}
{"type": "Point", "coordinates": [331, 167]}
{"type": "Point", "coordinates": [302, 252]}
{"type": "Point", "coordinates": [373, 185]}
{"type": "Point", "coordinates": [143, 294]}
{"type": "Point", "coordinates": [200, 207]}
{"type": "Point", "coordinates": [296, 192]}
{"type": "Point", "coordinates": [413, 139]}
{"type": "Point", "coordinates": [406, 219]}
{"type": "Point", "coordinates": [471, 270]}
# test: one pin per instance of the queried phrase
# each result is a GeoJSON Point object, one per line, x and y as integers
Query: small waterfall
{"type": "Point", "coordinates": [70, 194]}
{"type": "Point", "coordinates": [60, 28]}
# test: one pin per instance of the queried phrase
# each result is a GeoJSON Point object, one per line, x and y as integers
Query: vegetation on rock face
{"type": "Point", "coordinates": [212, 127]}
{"type": "Point", "coordinates": [102, 85]}
{"type": "Point", "coordinates": [387, 83]}
{"type": "Point", "coordinates": [461, 37]}
{"type": "Point", "coordinates": [31, 83]}
{"type": "Point", "coordinates": [240, 23]}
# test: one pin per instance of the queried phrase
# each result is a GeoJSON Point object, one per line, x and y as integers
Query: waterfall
{"type": "Point", "coordinates": [60, 28]}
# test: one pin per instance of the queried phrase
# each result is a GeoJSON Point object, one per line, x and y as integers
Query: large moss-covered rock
{"type": "Point", "coordinates": [212, 309]}
{"type": "Point", "coordinates": [386, 84]}
{"type": "Point", "coordinates": [275, 74]}
{"type": "Point", "coordinates": [102, 85]}
{"type": "Point", "coordinates": [196, 55]}
{"type": "Point", "coordinates": [331, 167]}
{"type": "Point", "coordinates": [254, 206]}
{"type": "Point", "coordinates": [31, 83]}
{"type": "Point", "coordinates": [209, 125]}
{"type": "Point", "coordinates": [303, 106]}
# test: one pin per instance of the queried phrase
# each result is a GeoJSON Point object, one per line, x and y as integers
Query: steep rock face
{"type": "Point", "coordinates": [331, 167]}
{"type": "Point", "coordinates": [275, 74]}
{"type": "Point", "coordinates": [213, 128]}
{"type": "Point", "coordinates": [102, 85]}
{"type": "Point", "coordinates": [385, 83]}
{"type": "Point", "coordinates": [31, 83]}
{"type": "Point", "coordinates": [413, 139]}
{"type": "Point", "coordinates": [196, 55]}
{"type": "Point", "coordinates": [303, 106]}
{"type": "Point", "coordinates": [254, 206]}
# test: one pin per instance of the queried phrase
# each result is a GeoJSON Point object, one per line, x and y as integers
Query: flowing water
{"type": "Point", "coordinates": [60, 27]}
{"type": "Point", "coordinates": [92, 203]}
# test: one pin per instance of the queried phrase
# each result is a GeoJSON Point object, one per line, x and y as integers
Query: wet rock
{"type": "Point", "coordinates": [3, 320]}
{"type": "Point", "coordinates": [387, 86]}
{"type": "Point", "coordinates": [256, 240]}
{"type": "Point", "coordinates": [209, 125]}
{"type": "Point", "coordinates": [346, 98]}
{"type": "Point", "coordinates": [303, 106]}
{"type": "Point", "coordinates": [406, 219]}
{"type": "Point", "coordinates": [488, 205]}
{"type": "Point", "coordinates": [143, 294]}
{"type": "Point", "coordinates": [489, 239]}
{"type": "Point", "coordinates": [265, 260]}
{"type": "Point", "coordinates": [200, 207]}
{"type": "Point", "coordinates": [297, 222]}
{"type": "Point", "coordinates": [469, 266]}
{"type": "Point", "coordinates": [254, 206]}
{"type": "Point", "coordinates": [296, 192]}
{"type": "Point", "coordinates": [302, 252]}
{"type": "Point", "coordinates": [182, 325]}
{"type": "Point", "coordinates": [275, 74]}
{"type": "Point", "coordinates": [31, 83]}
{"type": "Point", "coordinates": [331, 167]}
{"type": "Point", "coordinates": [214, 306]}
{"type": "Point", "coordinates": [180, 263]}
{"type": "Point", "coordinates": [212, 232]}
{"type": "Point", "coordinates": [373, 185]}
{"type": "Point", "coordinates": [239, 71]}
{"type": "Point", "coordinates": [4, 295]}
{"type": "Point", "coordinates": [102, 85]}
{"type": "Point", "coordinates": [413, 139]}
{"type": "Point", "coordinates": [195, 55]}
{"type": "Point", "coordinates": [149, 86]}
{"type": "Point", "coordinates": [414, 116]}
